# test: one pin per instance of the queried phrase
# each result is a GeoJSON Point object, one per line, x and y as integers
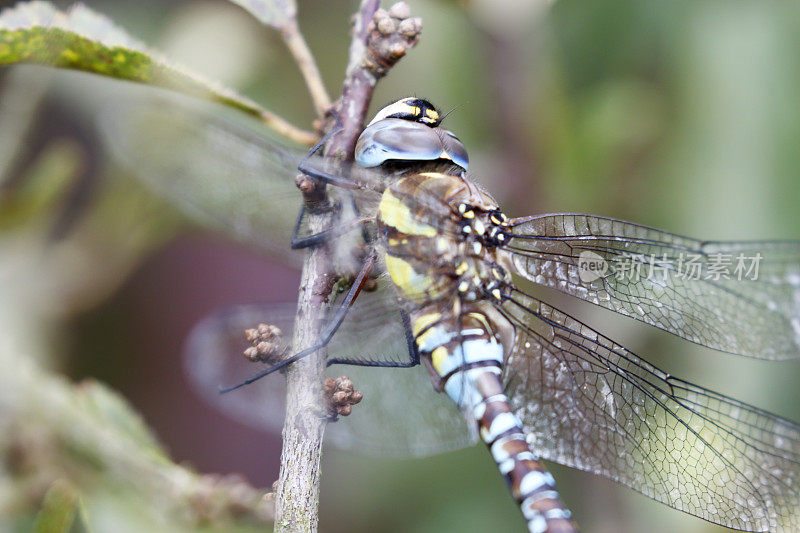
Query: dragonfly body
{"type": "Point", "coordinates": [529, 379]}
{"type": "Point", "coordinates": [445, 264]}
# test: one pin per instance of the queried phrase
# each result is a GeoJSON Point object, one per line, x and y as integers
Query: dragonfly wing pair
{"type": "Point", "coordinates": [221, 170]}
{"type": "Point", "coordinates": [584, 400]}
{"type": "Point", "coordinates": [400, 414]}
{"type": "Point", "coordinates": [736, 297]}
{"type": "Point", "coordinates": [589, 403]}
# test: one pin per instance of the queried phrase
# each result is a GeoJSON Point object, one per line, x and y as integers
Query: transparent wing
{"type": "Point", "coordinates": [223, 171]}
{"type": "Point", "coordinates": [228, 173]}
{"type": "Point", "coordinates": [589, 403]}
{"type": "Point", "coordinates": [400, 414]}
{"type": "Point", "coordinates": [212, 357]}
{"type": "Point", "coordinates": [737, 297]}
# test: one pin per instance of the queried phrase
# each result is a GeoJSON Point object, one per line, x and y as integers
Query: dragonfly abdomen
{"type": "Point", "coordinates": [469, 363]}
{"type": "Point", "coordinates": [531, 485]}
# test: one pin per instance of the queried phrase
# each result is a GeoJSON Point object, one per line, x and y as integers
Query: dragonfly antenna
{"type": "Point", "coordinates": [459, 106]}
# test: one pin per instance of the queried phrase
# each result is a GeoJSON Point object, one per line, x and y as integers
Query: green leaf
{"type": "Point", "coordinates": [273, 13]}
{"type": "Point", "coordinates": [81, 39]}
{"type": "Point", "coordinates": [46, 182]}
{"type": "Point", "coordinates": [108, 406]}
{"type": "Point", "coordinates": [60, 507]}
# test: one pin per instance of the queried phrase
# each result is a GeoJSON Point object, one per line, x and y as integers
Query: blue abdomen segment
{"type": "Point", "coordinates": [459, 357]}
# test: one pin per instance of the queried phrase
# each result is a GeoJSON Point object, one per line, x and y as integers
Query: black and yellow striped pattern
{"type": "Point", "coordinates": [439, 254]}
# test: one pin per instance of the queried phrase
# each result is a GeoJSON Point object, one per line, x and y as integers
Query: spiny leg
{"type": "Point", "coordinates": [316, 239]}
{"type": "Point", "coordinates": [327, 333]}
{"type": "Point", "coordinates": [413, 354]}
{"type": "Point", "coordinates": [324, 175]}
{"type": "Point", "coordinates": [327, 177]}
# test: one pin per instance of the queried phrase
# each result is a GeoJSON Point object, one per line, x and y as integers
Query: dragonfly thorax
{"type": "Point", "coordinates": [443, 238]}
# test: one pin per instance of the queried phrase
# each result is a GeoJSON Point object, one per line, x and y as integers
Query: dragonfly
{"type": "Point", "coordinates": [451, 307]}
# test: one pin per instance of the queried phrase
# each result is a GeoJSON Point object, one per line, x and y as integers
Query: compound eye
{"type": "Point", "coordinates": [428, 113]}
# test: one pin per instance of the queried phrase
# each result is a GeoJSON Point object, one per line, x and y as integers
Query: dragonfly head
{"type": "Point", "coordinates": [408, 132]}
{"type": "Point", "coordinates": [412, 109]}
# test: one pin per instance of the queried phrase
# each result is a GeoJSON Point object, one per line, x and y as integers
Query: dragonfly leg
{"type": "Point", "coordinates": [328, 331]}
{"type": "Point", "coordinates": [323, 175]}
{"type": "Point", "coordinates": [325, 138]}
{"type": "Point", "coordinates": [413, 353]}
{"type": "Point", "coordinates": [328, 177]}
{"type": "Point", "coordinates": [318, 238]}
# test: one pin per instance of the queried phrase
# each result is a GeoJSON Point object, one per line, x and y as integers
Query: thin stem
{"type": "Point", "coordinates": [288, 130]}
{"type": "Point", "coordinates": [372, 53]}
{"type": "Point", "coordinates": [298, 47]}
{"type": "Point", "coordinates": [297, 495]}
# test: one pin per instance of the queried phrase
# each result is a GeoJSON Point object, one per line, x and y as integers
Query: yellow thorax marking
{"type": "Point", "coordinates": [397, 242]}
{"type": "Point", "coordinates": [397, 214]}
{"type": "Point", "coordinates": [406, 278]}
{"type": "Point", "coordinates": [434, 175]}
{"type": "Point", "coordinates": [480, 317]}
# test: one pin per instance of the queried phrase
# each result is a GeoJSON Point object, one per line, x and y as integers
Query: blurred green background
{"type": "Point", "coordinates": [679, 115]}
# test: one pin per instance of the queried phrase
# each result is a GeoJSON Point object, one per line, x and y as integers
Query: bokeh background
{"type": "Point", "coordinates": [680, 115]}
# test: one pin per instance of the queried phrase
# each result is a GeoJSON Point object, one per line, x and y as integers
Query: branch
{"type": "Point", "coordinates": [283, 127]}
{"type": "Point", "coordinates": [282, 16]}
{"type": "Point", "coordinates": [298, 47]}
{"type": "Point", "coordinates": [375, 48]}
{"type": "Point", "coordinates": [380, 39]}
{"type": "Point", "coordinates": [80, 39]}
